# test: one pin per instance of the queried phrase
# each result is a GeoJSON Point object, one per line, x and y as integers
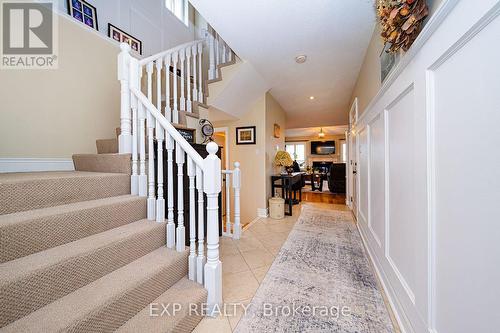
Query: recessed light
{"type": "Point", "coordinates": [311, 97]}
{"type": "Point", "coordinates": [301, 59]}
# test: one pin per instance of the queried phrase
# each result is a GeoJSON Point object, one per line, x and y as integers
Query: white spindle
{"type": "Point", "coordinates": [181, 233]}
{"type": "Point", "coordinates": [143, 180]}
{"type": "Point", "coordinates": [182, 58]}
{"type": "Point", "coordinates": [230, 55]}
{"type": "Point", "coordinates": [175, 115]}
{"type": "Point", "coordinates": [191, 170]}
{"type": "Point", "coordinates": [188, 80]}
{"type": "Point", "coordinates": [134, 82]}
{"type": "Point", "coordinates": [224, 52]}
{"type": "Point", "coordinates": [160, 134]}
{"type": "Point", "coordinates": [125, 137]}
{"type": "Point", "coordinates": [213, 267]}
{"type": "Point", "coordinates": [211, 48]}
{"type": "Point", "coordinates": [217, 55]}
{"type": "Point", "coordinates": [169, 145]}
{"type": "Point", "coordinates": [236, 189]}
{"type": "Point", "coordinates": [200, 73]}
{"type": "Point", "coordinates": [194, 51]}
{"type": "Point", "coordinates": [151, 159]}
{"type": "Point", "coordinates": [168, 109]}
{"type": "Point", "coordinates": [227, 176]}
{"type": "Point", "coordinates": [200, 259]}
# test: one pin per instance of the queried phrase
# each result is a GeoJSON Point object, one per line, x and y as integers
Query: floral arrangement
{"type": "Point", "coordinates": [283, 158]}
{"type": "Point", "coordinates": [401, 22]}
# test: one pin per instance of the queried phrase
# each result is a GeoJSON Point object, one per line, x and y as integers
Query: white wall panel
{"type": "Point", "coordinates": [430, 184]}
{"type": "Point", "coordinates": [377, 180]}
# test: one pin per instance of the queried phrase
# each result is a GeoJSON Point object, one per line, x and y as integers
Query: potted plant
{"type": "Point", "coordinates": [284, 160]}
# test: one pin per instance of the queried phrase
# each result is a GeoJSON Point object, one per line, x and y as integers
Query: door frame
{"type": "Point", "coordinates": [226, 143]}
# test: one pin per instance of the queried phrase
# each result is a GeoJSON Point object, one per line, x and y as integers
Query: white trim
{"type": "Point", "coordinates": [388, 290]}
{"type": "Point", "coordinates": [262, 212]}
{"type": "Point", "coordinates": [248, 225]}
{"type": "Point", "coordinates": [226, 143]}
{"type": "Point", "coordinates": [35, 164]}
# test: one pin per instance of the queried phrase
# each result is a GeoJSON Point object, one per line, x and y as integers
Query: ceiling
{"type": "Point", "coordinates": [334, 34]}
{"type": "Point", "coordinates": [313, 131]}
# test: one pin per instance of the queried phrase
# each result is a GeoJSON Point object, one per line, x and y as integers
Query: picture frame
{"type": "Point", "coordinates": [277, 131]}
{"type": "Point", "coordinates": [122, 37]}
{"type": "Point", "coordinates": [84, 12]}
{"type": "Point", "coordinates": [245, 135]}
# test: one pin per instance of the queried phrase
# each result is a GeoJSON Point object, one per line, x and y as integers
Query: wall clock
{"type": "Point", "coordinates": [207, 129]}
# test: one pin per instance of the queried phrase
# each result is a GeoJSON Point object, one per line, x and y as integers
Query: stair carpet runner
{"type": "Point", "coordinates": [78, 255]}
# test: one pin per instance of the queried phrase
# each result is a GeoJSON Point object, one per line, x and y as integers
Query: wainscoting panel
{"type": "Point", "coordinates": [429, 174]}
{"type": "Point", "coordinates": [466, 117]}
{"type": "Point", "coordinates": [363, 175]}
{"type": "Point", "coordinates": [377, 180]}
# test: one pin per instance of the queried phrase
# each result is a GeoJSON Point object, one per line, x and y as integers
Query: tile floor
{"type": "Point", "coordinates": [245, 263]}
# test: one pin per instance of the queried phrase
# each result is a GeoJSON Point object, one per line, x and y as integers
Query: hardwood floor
{"type": "Point", "coordinates": [323, 197]}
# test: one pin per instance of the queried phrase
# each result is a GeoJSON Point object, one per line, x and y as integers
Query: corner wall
{"type": "Point", "coordinates": [274, 115]}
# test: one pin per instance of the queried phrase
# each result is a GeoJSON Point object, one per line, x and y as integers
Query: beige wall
{"type": "Point", "coordinates": [310, 158]}
{"type": "Point", "coordinates": [274, 115]}
{"type": "Point", "coordinates": [56, 113]}
{"type": "Point", "coordinates": [369, 79]}
{"type": "Point", "coordinates": [252, 159]}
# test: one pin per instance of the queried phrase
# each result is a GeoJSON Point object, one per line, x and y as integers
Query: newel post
{"type": "Point", "coordinates": [212, 188]}
{"type": "Point", "coordinates": [236, 188]}
{"type": "Point", "coordinates": [125, 137]}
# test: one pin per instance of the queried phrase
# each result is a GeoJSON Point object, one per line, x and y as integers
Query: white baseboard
{"type": "Point", "coordinates": [262, 212]}
{"type": "Point", "coordinates": [35, 164]}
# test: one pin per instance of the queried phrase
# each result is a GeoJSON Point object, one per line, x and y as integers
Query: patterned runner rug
{"type": "Point", "coordinates": [321, 281]}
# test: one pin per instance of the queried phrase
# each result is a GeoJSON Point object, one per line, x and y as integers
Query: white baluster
{"type": "Point", "coordinates": [191, 170]}
{"type": "Point", "coordinates": [160, 134]}
{"type": "Point", "coordinates": [194, 50]}
{"type": "Point", "coordinates": [188, 80]}
{"type": "Point", "coordinates": [151, 158]}
{"type": "Point", "coordinates": [143, 180]}
{"type": "Point", "coordinates": [236, 189]}
{"type": "Point", "coordinates": [227, 176]}
{"type": "Point", "coordinates": [125, 137]}
{"type": "Point", "coordinates": [200, 259]}
{"type": "Point", "coordinates": [175, 115]}
{"type": "Point", "coordinates": [211, 49]}
{"type": "Point", "coordinates": [168, 109]}
{"type": "Point", "coordinates": [230, 54]}
{"type": "Point", "coordinates": [213, 267]}
{"type": "Point", "coordinates": [169, 145]}
{"type": "Point", "coordinates": [134, 83]}
{"type": "Point", "coordinates": [181, 233]}
{"type": "Point", "coordinates": [200, 73]}
{"type": "Point", "coordinates": [217, 55]}
{"type": "Point", "coordinates": [182, 58]}
{"type": "Point", "coordinates": [223, 52]}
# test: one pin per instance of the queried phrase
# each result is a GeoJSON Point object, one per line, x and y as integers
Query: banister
{"type": "Point", "coordinates": [192, 153]}
{"type": "Point", "coordinates": [163, 53]}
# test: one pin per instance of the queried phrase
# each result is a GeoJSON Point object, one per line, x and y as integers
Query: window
{"type": "Point", "coordinates": [297, 151]}
{"type": "Point", "coordinates": [180, 9]}
{"type": "Point", "coordinates": [343, 150]}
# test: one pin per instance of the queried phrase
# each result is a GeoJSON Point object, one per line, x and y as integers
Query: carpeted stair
{"type": "Point", "coordinates": [77, 254]}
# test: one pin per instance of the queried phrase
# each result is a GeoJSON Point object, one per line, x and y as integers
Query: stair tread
{"type": "Point", "coordinates": [83, 302]}
{"type": "Point", "coordinates": [18, 268]}
{"type": "Point", "coordinates": [184, 292]}
{"type": "Point", "coordinates": [19, 217]}
{"type": "Point", "coordinates": [20, 177]}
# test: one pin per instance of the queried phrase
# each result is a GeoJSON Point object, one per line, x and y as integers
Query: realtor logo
{"type": "Point", "coordinates": [28, 35]}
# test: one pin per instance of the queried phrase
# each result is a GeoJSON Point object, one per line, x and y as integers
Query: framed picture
{"type": "Point", "coordinates": [245, 135]}
{"type": "Point", "coordinates": [121, 36]}
{"type": "Point", "coordinates": [277, 131]}
{"type": "Point", "coordinates": [83, 12]}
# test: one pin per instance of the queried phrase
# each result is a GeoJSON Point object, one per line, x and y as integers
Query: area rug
{"type": "Point", "coordinates": [321, 281]}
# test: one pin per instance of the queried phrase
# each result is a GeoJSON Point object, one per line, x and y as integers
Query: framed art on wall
{"type": "Point", "coordinates": [123, 37]}
{"type": "Point", "coordinates": [83, 12]}
{"type": "Point", "coordinates": [245, 135]}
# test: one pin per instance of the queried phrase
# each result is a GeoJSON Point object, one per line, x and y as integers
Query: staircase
{"type": "Point", "coordinates": [94, 249]}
